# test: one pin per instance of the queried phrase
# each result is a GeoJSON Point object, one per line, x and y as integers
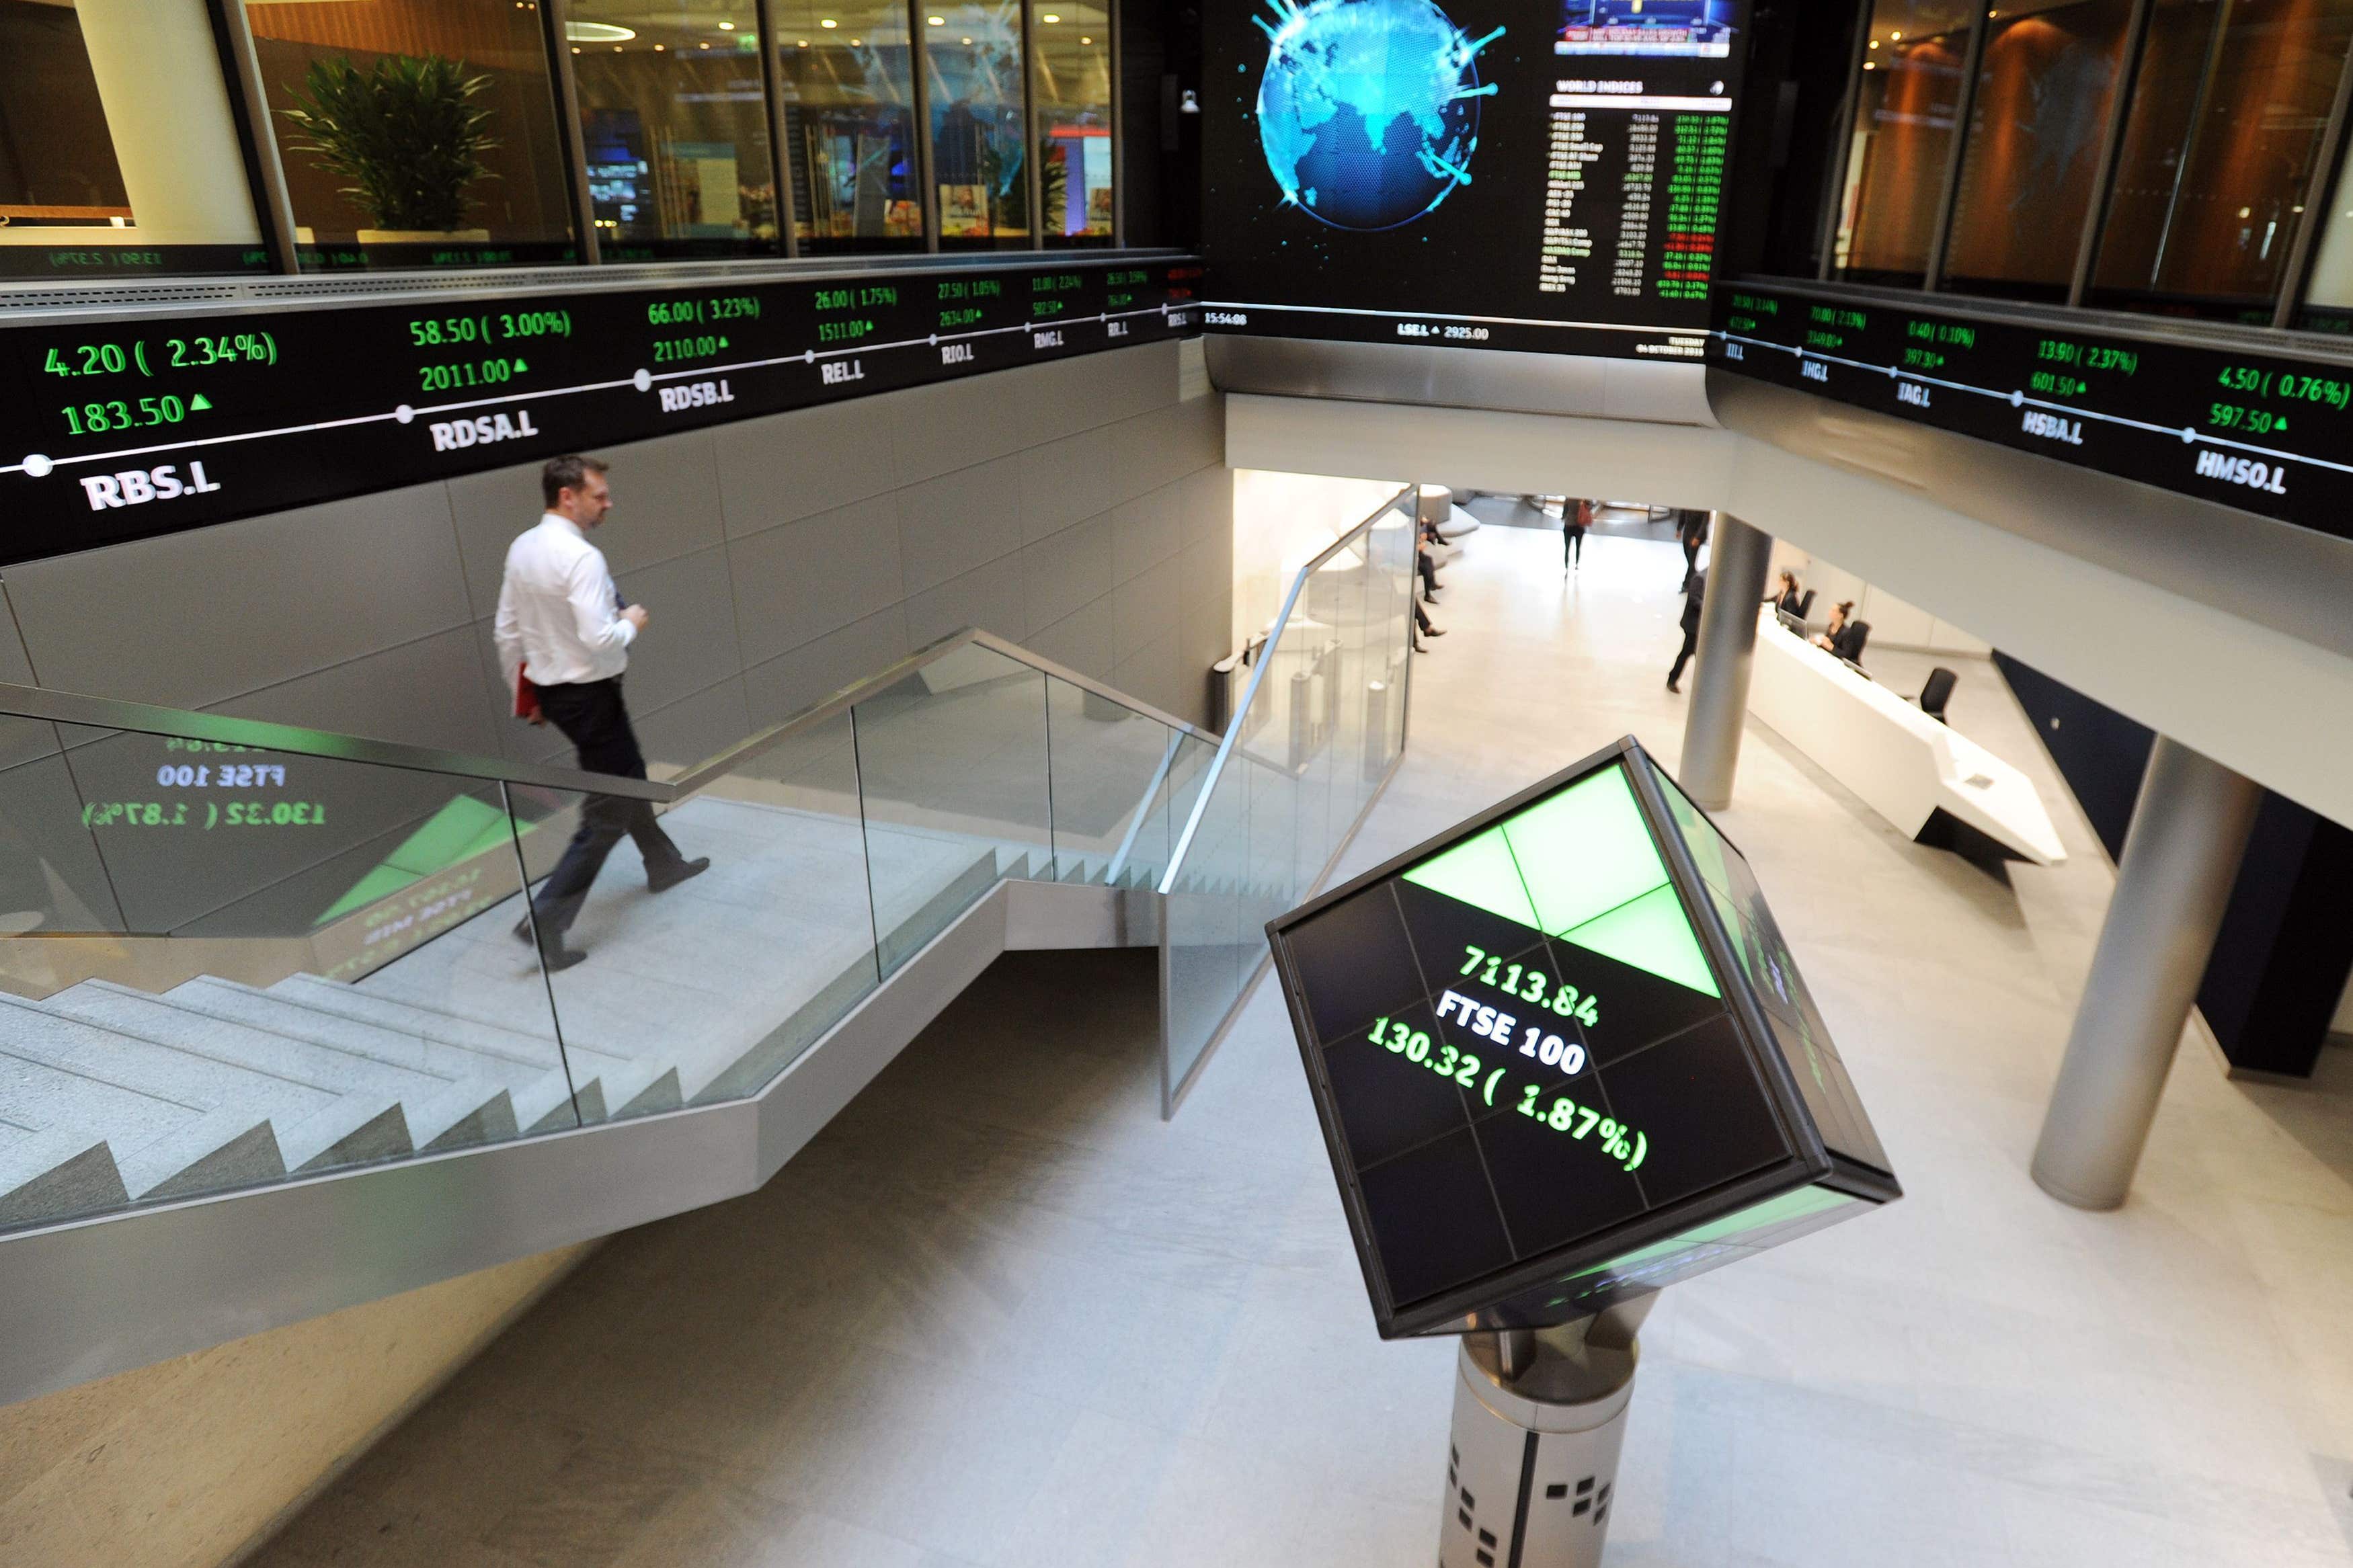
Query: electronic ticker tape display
{"type": "Point", "coordinates": [1529, 175]}
{"type": "Point", "coordinates": [2258, 431]}
{"type": "Point", "coordinates": [137, 424]}
{"type": "Point", "coordinates": [1562, 1056]}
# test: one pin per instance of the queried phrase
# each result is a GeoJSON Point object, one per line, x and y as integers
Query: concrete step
{"type": "Point", "coordinates": [54, 1174]}
{"type": "Point", "coordinates": [541, 1094]}
{"type": "Point", "coordinates": [437, 1110]}
{"type": "Point", "coordinates": [624, 1086]}
{"type": "Point", "coordinates": [196, 1061]}
{"type": "Point", "coordinates": [474, 1107]}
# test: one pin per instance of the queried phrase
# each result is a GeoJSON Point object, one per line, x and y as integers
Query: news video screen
{"type": "Point", "coordinates": [1528, 174]}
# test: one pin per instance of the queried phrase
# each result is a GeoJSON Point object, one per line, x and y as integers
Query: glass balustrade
{"type": "Point", "coordinates": [232, 954]}
{"type": "Point", "coordinates": [1257, 825]}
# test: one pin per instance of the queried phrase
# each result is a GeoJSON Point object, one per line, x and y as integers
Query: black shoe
{"type": "Point", "coordinates": [558, 959]}
{"type": "Point", "coordinates": [1673, 686]}
{"type": "Point", "coordinates": [1435, 632]}
{"type": "Point", "coordinates": [523, 930]}
{"type": "Point", "coordinates": [663, 881]}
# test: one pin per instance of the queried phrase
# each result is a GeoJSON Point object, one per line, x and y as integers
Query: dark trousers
{"type": "Point", "coordinates": [597, 721]}
{"type": "Point", "coordinates": [1429, 569]}
{"type": "Point", "coordinates": [1572, 545]}
{"type": "Point", "coordinates": [1682, 656]}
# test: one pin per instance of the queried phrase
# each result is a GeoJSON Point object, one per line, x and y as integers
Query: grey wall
{"type": "Point", "coordinates": [1080, 508]}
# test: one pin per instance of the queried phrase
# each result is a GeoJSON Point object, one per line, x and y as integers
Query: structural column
{"type": "Point", "coordinates": [1727, 649]}
{"type": "Point", "coordinates": [2181, 856]}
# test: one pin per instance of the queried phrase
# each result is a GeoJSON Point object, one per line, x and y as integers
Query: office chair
{"type": "Point", "coordinates": [1806, 605]}
{"type": "Point", "coordinates": [1937, 692]}
{"type": "Point", "coordinates": [1861, 639]}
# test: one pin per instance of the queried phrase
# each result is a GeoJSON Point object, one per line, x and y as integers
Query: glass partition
{"type": "Point", "coordinates": [2221, 140]}
{"type": "Point", "coordinates": [674, 122]}
{"type": "Point", "coordinates": [1069, 54]}
{"type": "Point", "coordinates": [417, 132]}
{"type": "Point", "coordinates": [1108, 763]}
{"type": "Point", "coordinates": [2045, 88]}
{"type": "Point", "coordinates": [846, 74]}
{"type": "Point", "coordinates": [972, 73]}
{"type": "Point", "coordinates": [221, 967]}
{"type": "Point", "coordinates": [1901, 139]}
{"type": "Point", "coordinates": [1320, 724]}
{"type": "Point", "coordinates": [952, 767]}
{"type": "Point", "coordinates": [119, 149]}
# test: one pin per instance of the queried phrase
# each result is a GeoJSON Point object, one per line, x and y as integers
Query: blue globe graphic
{"type": "Point", "coordinates": [1368, 111]}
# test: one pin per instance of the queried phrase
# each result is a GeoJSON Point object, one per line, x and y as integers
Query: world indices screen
{"type": "Point", "coordinates": [127, 426]}
{"type": "Point", "coordinates": [1543, 176]}
{"type": "Point", "coordinates": [1530, 1057]}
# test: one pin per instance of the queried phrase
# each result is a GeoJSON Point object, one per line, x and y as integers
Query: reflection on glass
{"type": "Point", "coordinates": [415, 133]}
{"type": "Point", "coordinates": [843, 69]}
{"type": "Point", "coordinates": [2044, 94]}
{"type": "Point", "coordinates": [2219, 144]}
{"type": "Point", "coordinates": [1071, 51]}
{"type": "Point", "coordinates": [675, 122]}
{"type": "Point", "coordinates": [118, 148]}
{"type": "Point", "coordinates": [2328, 296]}
{"type": "Point", "coordinates": [971, 54]}
{"type": "Point", "coordinates": [1901, 139]}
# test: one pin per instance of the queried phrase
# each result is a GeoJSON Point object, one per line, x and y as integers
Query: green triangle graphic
{"type": "Point", "coordinates": [521, 367]}
{"type": "Point", "coordinates": [457, 832]}
{"type": "Point", "coordinates": [1585, 851]}
{"type": "Point", "coordinates": [1649, 933]}
{"type": "Point", "coordinates": [722, 343]}
{"type": "Point", "coordinates": [1478, 871]}
{"type": "Point", "coordinates": [199, 403]}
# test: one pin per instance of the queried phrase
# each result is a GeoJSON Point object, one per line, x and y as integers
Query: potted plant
{"type": "Point", "coordinates": [408, 135]}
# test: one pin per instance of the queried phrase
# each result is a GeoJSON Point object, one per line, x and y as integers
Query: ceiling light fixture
{"type": "Point", "coordinates": [597, 33]}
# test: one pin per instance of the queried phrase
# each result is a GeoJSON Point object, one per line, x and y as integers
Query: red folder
{"type": "Point", "coordinates": [526, 696]}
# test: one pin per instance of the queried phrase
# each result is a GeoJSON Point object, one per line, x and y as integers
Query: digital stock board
{"type": "Point", "coordinates": [2261, 432]}
{"type": "Point", "coordinates": [1562, 1056]}
{"type": "Point", "coordinates": [1540, 175]}
{"type": "Point", "coordinates": [136, 425]}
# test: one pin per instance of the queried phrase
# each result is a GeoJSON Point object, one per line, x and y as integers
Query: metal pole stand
{"type": "Point", "coordinates": [1539, 1418]}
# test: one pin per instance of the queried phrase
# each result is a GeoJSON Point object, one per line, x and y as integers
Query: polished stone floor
{"type": "Point", "coordinates": [999, 1314]}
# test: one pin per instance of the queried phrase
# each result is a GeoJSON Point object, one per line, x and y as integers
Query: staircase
{"type": "Point", "coordinates": [273, 1047]}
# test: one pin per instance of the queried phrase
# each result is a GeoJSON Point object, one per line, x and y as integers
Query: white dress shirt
{"type": "Point", "coordinates": [559, 615]}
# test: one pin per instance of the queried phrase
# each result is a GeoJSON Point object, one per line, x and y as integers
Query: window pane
{"type": "Point", "coordinates": [118, 148]}
{"type": "Point", "coordinates": [676, 125]}
{"type": "Point", "coordinates": [1902, 138]}
{"type": "Point", "coordinates": [2042, 101]}
{"type": "Point", "coordinates": [844, 69]}
{"type": "Point", "coordinates": [1071, 44]}
{"type": "Point", "coordinates": [973, 71]}
{"type": "Point", "coordinates": [2328, 298]}
{"type": "Point", "coordinates": [463, 81]}
{"type": "Point", "coordinates": [2225, 123]}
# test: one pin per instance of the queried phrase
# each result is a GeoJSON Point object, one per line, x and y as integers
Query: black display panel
{"type": "Point", "coordinates": [131, 426]}
{"type": "Point", "coordinates": [1543, 175]}
{"type": "Point", "coordinates": [1562, 1055]}
{"type": "Point", "coordinates": [2261, 432]}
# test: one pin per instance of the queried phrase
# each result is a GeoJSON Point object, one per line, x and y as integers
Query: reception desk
{"type": "Point", "coordinates": [1903, 764]}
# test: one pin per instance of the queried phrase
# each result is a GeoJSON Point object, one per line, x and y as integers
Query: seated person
{"type": "Point", "coordinates": [1787, 598]}
{"type": "Point", "coordinates": [1844, 635]}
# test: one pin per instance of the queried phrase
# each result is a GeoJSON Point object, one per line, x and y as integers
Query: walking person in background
{"type": "Point", "coordinates": [562, 629]}
{"type": "Point", "coordinates": [1574, 519]}
{"type": "Point", "coordinates": [1694, 590]}
{"type": "Point", "coordinates": [1692, 529]}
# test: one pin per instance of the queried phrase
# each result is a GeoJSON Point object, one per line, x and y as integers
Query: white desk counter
{"type": "Point", "coordinates": [1903, 764]}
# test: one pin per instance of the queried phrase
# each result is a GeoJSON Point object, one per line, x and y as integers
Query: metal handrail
{"type": "Point", "coordinates": [1258, 676]}
{"type": "Point", "coordinates": [147, 719]}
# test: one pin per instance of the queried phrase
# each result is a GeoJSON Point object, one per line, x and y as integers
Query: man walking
{"type": "Point", "coordinates": [1694, 592]}
{"type": "Point", "coordinates": [562, 624]}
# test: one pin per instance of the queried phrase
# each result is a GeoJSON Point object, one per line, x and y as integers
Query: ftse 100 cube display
{"type": "Point", "coordinates": [1562, 1056]}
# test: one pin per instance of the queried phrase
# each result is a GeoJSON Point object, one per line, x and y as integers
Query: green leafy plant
{"type": "Point", "coordinates": [406, 133]}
